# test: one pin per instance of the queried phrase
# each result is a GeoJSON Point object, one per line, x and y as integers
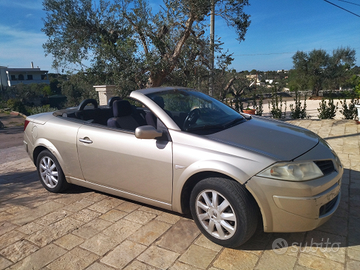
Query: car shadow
{"type": "Point", "coordinates": [25, 189]}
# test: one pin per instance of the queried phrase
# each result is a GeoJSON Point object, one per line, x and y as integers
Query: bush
{"type": "Point", "coordinates": [17, 105]}
{"type": "Point", "coordinates": [298, 111]}
{"type": "Point", "coordinates": [41, 109]}
{"type": "Point", "coordinates": [259, 107]}
{"type": "Point", "coordinates": [276, 106]}
{"type": "Point", "coordinates": [327, 110]}
{"type": "Point", "coordinates": [349, 111]}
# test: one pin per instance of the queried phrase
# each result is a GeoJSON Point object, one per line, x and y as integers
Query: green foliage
{"type": "Point", "coordinates": [55, 86]}
{"type": "Point", "coordinates": [258, 106]}
{"type": "Point", "coordinates": [17, 105]}
{"type": "Point", "coordinates": [78, 87]}
{"type": "Point", "coordinates": [327, 110]}
{"type": "Point", "coordinates": [129, 46]}
{"type": "Point", "coordinates": [46, 90]}
{"type": "Point", "coordinates": [2, 104]}
{"type": "Point", "coordinates": [298, 80]}
{"type": "Point", "coordinates": [355, 83]}
{"type": "Point", "coordinates": [40, 109]}
{"type": "Point", "coordinates": [26, 92]}
{"type": "Point", "coordinates": [298, 111]}
{"type": "Point", "coordinates": [181, 103]}
{"type": "Point", "coordinates": [349, 110]}
{"type": "Point", "coordinates": [317, 69]}
{"type": "Point", "coordinates": [277, 106]}
{"type": "Point", "coordinates": [357, 90]}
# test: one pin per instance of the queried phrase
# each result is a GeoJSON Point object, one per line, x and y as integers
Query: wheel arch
{"type": "Point", "coordinates": [196, 178]}
{"type": "Point", "coordinates": [185, 179]}
{"type": "Point", "coordinates": [43, 144]}
{"type": "Point", "coordinates": [190, 184]}
{"type": "Point", "coordinates": [37, 151]}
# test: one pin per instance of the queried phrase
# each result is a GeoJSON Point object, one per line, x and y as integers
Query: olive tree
{"type": "Point", "coordinates": [131, 46]}
{"type": "Point", "coordinates": [318, 69]}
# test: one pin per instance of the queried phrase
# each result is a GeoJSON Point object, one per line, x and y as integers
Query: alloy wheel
{"type": "Point", "coordinates": [49, 172]}
{"type": "Point", "coordinates": [216, 214]}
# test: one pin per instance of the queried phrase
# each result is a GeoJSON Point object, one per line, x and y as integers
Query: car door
{"type": "Point", "coordinates": [117, 159]}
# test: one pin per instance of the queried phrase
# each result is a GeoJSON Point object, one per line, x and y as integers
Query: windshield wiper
{"type": "Point", "coordinates": [205, 127]}
{"type": "Point", "coordinates": [217, 126]}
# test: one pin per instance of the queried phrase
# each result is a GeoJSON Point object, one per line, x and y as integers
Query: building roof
{"type": "Point", "coordinates": [25, 69]}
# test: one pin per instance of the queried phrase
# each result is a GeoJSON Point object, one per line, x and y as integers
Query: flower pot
{"type": "Point", "coordinates": [357, 106]}
{"type": "Point", "coordinates": [249, 111]}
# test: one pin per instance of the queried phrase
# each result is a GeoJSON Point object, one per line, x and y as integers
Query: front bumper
{"type": "Point", "coordinates": [296, 206]}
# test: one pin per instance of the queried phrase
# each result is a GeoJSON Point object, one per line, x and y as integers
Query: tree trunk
{"type": "Point", "coordinates": [157, 79]}
{"type": "Point", "coordinates": [228, 85]}
{"type": "Point", "coordinates": [316, 90]}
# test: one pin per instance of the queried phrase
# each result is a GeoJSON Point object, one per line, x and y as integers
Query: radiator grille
{"type": "Point", "coordinates": [326, 208]}
{"type": "Point", "coordinates": [326, 166]}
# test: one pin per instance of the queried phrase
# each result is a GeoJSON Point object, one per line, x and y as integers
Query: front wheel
{"type": "Point", "coordinates": [50, 172]}
{"type": "Point", "coordinates": [224, 211]}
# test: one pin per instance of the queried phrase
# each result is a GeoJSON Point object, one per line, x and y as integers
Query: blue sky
{"type": "Point", "coordinates": [278, 29]}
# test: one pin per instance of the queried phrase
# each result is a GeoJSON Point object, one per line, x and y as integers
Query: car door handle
{"type": "Point", "coordinates": [86, 140]}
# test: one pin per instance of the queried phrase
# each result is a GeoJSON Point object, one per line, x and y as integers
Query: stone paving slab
{"type": "Point", "coordinates": [84, 229]}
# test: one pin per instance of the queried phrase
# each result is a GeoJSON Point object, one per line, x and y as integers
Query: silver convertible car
{"type": "Point", "coordinates": [181, 150]}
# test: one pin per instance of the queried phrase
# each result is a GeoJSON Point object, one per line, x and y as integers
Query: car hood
{"type": "Point", "coordinates": [275, 139]}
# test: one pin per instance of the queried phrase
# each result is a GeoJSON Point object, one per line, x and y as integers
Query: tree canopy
{"type": "Point", "coordinates": [317, 69]}
{"type": "Point", "coordinates": [126, 44]}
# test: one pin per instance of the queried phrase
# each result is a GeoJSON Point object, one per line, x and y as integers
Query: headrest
{"type": "Point", "coordinates": [121, 108]}
{"type": "Point", "coordinates": [112, 99]}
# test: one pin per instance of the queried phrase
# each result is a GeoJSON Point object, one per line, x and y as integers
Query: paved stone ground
{"type": "Point", "coordinates": [83, 229]}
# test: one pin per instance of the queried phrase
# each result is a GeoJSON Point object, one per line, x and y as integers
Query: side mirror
{"type": "Point", "coordinates": [147, 132]}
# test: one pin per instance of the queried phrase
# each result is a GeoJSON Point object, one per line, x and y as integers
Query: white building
{"type": "Point", "coordinates": [255, 79]}
{"type": "Point", "coordinates": [14, 76]}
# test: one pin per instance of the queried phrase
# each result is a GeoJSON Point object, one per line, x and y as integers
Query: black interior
{"type": "Point", "coordinates": [128, 116]}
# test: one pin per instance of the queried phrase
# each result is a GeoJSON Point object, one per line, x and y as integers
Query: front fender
{"type": "Point", "coordinates": [182, 175]}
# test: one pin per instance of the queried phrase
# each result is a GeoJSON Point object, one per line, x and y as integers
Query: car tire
{"type": "Point", "coordinates": [224, 211]}
{"type": "Point", "coordinates": [50, 173]}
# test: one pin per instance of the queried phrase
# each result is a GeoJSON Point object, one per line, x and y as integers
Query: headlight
{"type": "Point", "coordinates": [337, 161]}
{"type": "Point", "coordinates": [292, 171]}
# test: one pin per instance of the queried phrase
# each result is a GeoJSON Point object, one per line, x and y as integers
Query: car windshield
{"type": "Point", "coordinates": [196, 112]}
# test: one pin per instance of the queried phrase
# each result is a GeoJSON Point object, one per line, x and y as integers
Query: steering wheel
{"type": "Point", "coordinates": [86, 102]}
{"type": "Point", "coordinates": [191, 118]}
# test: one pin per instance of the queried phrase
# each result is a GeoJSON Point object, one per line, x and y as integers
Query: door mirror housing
{"type": "Point", "coordinates": [147, 132]}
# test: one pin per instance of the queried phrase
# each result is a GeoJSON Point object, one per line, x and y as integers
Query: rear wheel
{"type": "Point", "coordinates": [224, 211]}
{"type": "Point", "coordinates": [50, 172]}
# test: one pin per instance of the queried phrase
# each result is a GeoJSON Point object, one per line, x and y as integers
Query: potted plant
{"type": "Point", "coordinates": [357, 106]}
{"type": "Point", "coordinates": [249, 110]}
